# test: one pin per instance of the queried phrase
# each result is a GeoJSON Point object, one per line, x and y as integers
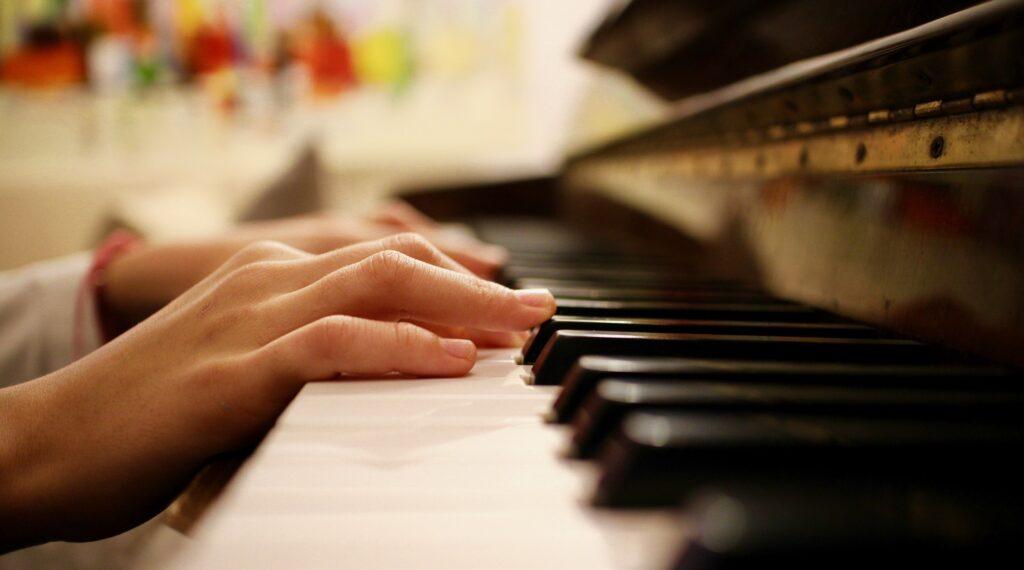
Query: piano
{"type": "Point", "coordinates": [790, 328]}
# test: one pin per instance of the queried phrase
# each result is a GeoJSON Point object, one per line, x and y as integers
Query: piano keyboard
{"type": "Point", "coordinates": [658, 420]}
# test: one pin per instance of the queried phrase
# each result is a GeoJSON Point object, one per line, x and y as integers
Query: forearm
{"type": "Point", "coordinates": [27, 454]}
{"type": "Point", "coordinates": [77, 465]}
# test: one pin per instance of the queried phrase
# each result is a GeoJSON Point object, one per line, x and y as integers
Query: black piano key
{"type": "Point", "coordinates": [625, 275]}
{"type": "Point", "coordinates": [612, 279]}
{"type": "Point", "coordinates": [812, 525]}
{"type": "Point", "coordinates": [689, 284]}
{"type": "Point", "coordinates": [566, 347]}
{"type": "Point", "coordinates": [585, 255]}
{"type": "Point", "coordinates": [602, 413]}
{"type": "Point", "coordinates": [523, 263]}
{"type": "Point", "coordinates": [535, 344]}
{"type": "Point", "coordinates": [604, 273]}
{"type": "Point", "coordinates": [590, 370]}
{"type": "Point", "coordinates": [656, 459]}
{"type": "Point", "coordinates": [696, 293]}
{"type": "Point", "coordinates": [747, 311]}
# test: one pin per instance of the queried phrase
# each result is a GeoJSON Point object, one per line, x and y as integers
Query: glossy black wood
{"type": "Point", "coordinates": [678, 49]}
{"type": "Point", "coordinates": [806, 524]}
{"type": "Point", "coordinates": [600, 274]}
{"type": "Point", "coordinates": [588, 290]}
{"type": "Point", "coordinates": [736, 311]}
{"type": "Point", "coordinates": [543, 334]}
{"type": "Point", "coordinates": [590, 370]}
{"type": "Point", "coordinates": [566, 347]}
{"type": "Point", "coordinates": [717, 288]}
{"type": "Point", "coordinates": [659, 458]}
{"type": "Point", "coordinates": [602, 413]}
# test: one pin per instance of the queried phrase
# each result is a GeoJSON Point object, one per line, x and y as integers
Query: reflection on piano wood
{"type": "Point", "coordinates": [789, 332]}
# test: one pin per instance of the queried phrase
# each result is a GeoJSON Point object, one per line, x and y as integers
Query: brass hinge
{"type": "Point", "coordinates": [925, 109]}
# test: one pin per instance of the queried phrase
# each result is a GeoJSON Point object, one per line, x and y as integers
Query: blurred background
{"type": "Point", "coordinates": [179, 117]}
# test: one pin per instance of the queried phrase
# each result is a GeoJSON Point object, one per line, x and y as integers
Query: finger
{"type": "Point", "coordinates": [481, 338]}
{"type": "Point", "coordinates": [464, 252]}
{"type": "Point", "coordinates": [402, 215]}
{"type": "Point", "coordinates": [263, 250]}
{"type": "Point", "coordinates": [318, 233]}
{"type": "Point", "coordinates": [392, 286]}
{"type": "Point", "coordinates": [260, 252]}
{"type": "Point", "coordinates": [412, 245]}
{"type": "Point", "coordinates": [482, 259]}
{"type": "Point", "coordinates": [349, 346]}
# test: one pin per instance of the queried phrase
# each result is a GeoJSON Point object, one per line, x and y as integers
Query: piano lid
{"type": "Point", "coordinates": [680, 48]}
{"type": "Point", "coordinates": [947, 62]}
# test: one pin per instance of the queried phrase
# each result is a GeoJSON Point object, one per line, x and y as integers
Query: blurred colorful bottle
{"type": "Point", "coordinates": [117, 17]}
{"type": "Point", "coordinates": [147, 65]}
{"type": "Point", "coordinates": [326, 55]}
{"type": "Point", "coordinates": [211, 48]}
{"type": "Point", "coordinates": [383, 57]}
{"type": "Point", "coordinates": [48, 59]}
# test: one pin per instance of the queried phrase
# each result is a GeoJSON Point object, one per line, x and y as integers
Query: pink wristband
{"type": "Point", "coordinates": [93, 285]}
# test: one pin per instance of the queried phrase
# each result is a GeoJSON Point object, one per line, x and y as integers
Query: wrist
{"type": "Point", "coordinates": [110, 312]}
{"type": "Point", "coordinates": [126, 295]}
{"type": "Point", "coordinates": [143, 280]}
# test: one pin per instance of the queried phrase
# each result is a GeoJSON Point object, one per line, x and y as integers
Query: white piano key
{"type": "Point", "coordinates": [445, 473]}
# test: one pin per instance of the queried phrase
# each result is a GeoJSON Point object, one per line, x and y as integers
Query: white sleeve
{"type": "Point", "coordinates": [37, 318]}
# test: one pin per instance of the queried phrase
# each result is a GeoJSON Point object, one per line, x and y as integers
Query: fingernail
{"type": "Point", "coordinates": [513, 340]}
{"type": "Point", "coordinates": [459, 348]}
{"type": "Point", "coordinates": [535, 297]}
{"type": "Point", "coordinates": [520, 339]}
{"type": "Point", "coordinates": [496, 254]}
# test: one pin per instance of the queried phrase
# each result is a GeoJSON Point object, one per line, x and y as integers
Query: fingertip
{"type": "Point", "coordinates": [538, 300]}
{"type": "Point", "coordinates": [459, 348]}
{"type": "Point", "coordinates": [462, 358]}
{"type": "Point", "coordinates": [499, 339]}
{"type": "Point", "coordinates": [482, 263]}
{"type": "Point", "coordinates": [516, 339]}
{"type": "Point", "coordinates": [494, 254]}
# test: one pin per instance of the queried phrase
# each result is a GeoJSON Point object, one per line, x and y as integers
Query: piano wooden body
{"type": "Point", "coordinates": [831, 258]}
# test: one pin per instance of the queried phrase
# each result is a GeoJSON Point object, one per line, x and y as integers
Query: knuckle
{"type": "Point", "coordinates": [329, 333]}
{"type": "Point", "coordinates": [488, 294]}
{"type": "Point", "coordinates": [412, 244]}
{"type": "Point", "coordinates": [252, 275]}
{"type": "Point", "coordinates": [263, 249]}
{"type": "Point", "coordinates": [389, 268]}
{"type": "Point", "coordinates": [407, 334]}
